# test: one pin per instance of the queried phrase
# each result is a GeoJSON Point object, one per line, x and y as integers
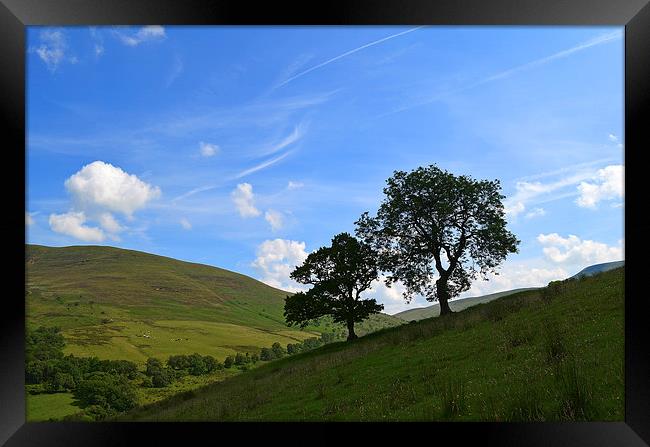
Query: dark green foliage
{"type": "Point", "coordinates": [109, 391]}
{"type": "Point", "coordinates": [153, 366]}
{"type": "Point", "coordinates": [338, 275]}
{"type": "Point", "coordinates": [162, 378]}
{"type": "Point", "coordinates": [433, 223]}
{"type": "Point", "coordinates": [278, 350]}
{"type": "Point", "coordinates": [178, 362]}
{"type": "Point", "coordinates": [293, 348]}
{"type": "Point", "coordinates": [255, 358]}
{"type": "Point", "coordinates": [266, 355]}
{"type": "Point", "coordinates": [44, 343]}
{"type": "Point", "coordinates": [228, 362]}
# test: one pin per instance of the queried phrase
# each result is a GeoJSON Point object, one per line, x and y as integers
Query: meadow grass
{"type": "Point", "coordinates": [43, 407]}
{"type": "Point", "coordinates": [525, 357]}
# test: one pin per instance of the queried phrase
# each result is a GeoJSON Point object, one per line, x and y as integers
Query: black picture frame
{"type": "Point", "coordinates": [15, 15]}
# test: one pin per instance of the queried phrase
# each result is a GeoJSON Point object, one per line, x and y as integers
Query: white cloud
{"type": "Point", "coordinates": [536, 212]}
{"type": "Point", "coordinates": [148, 33]}
{"type": "Point", "coordinates": [263, 165]}
{"type": "Point", "coordinates": [608, 185]}
{"type": "Point", "coordinates": [531, 192]}
{"type": "Point", "coordinates": [207, 149]}
{"type": "Point", "coordinates": [514, 209]}
{"type": "Point", "coordinates": [99, 49]}
{"type": "Point", "coordinates": [186, 224]}
{"type": "Point", "coordinates": [275, 218]}
{"type": "Point", "coordinates": [243, 199]}
{"type": "Point", "coordinates": [103, 186]}
{"type": "Point", "coordinates": [275, 261]}
{"type": "Point", "coordinates": [72, 224]}
{"type": "Point", "coordinates": [613, 138]}
{"type": "Point", "coordinates": [298, 133]}
{"type": "Point", "coordinates": [108, 223]}
{"type": "Point", "coordinates": [52, 48]}
{"type": "Point", "coordinates": [295, 185]}
{"type": "Point", "coordinates": [29, 220]}
{"type": "Point", "coordinates": [573, 250]}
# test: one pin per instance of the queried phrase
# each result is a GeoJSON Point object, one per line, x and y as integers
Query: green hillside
{"type": "Point", "coordinates": [555, 353]}
{"type": "Point", "coordinates": [456, 305]}
{"type": "Point", "coordinates": [123, 304]}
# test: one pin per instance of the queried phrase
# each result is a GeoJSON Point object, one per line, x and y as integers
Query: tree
{"type": "Point", "coordinates": [266, 355]}
{"type": "Point", "coordinates": [433, 223]}
{"type": "Point", "coordinates": [153, 366]}
{"type": "Point", "coordinates": [227, 363]}
{"type": "Point", "coordinates": [112, 392]}
{"type": "Point", "coordinates": [278, 350]}
{"type": "Point", "coordinates": [339, 274]}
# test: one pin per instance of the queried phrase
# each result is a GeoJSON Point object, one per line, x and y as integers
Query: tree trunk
{"type": "Point", "coordinates": [351, 334]}
{"type": "Point", "coordinates": [443, 296]}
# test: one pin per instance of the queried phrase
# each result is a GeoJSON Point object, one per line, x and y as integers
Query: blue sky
{"type": "Point", "coordinates": [249, 147]}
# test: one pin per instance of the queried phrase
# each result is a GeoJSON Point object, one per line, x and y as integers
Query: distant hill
{"type": "Point", "coordinates": [125, 304]}
{"type": "Point", "coordinates": [530, 356]}
{"type": "Point", "coordinates": [598, 268]}
{"type": "Point", "coordinates": [421, 313]}
{"type": "Point", "coordinates": [456, 305]}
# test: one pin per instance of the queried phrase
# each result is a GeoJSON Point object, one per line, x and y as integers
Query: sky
{"type": "Point", "coordinates": [247, 148]}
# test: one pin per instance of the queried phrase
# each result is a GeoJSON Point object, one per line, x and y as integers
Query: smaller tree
{"type": "Point", "coordinates": [266, 355]}
{"type": "Point", "coordinates": [278, 350]}
{"type": "Point", "coordinates": [228, 362]}
{"type": "Point", "coordinates": [339, 274]}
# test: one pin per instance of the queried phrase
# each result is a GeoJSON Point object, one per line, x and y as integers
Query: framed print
{"type": "Point", "coordinates": [305, 217]}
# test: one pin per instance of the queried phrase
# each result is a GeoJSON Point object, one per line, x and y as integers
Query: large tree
{"type": "Point", "coordinates": [339, 274]}
{"type": "Point", "coordinates": [433, 224]}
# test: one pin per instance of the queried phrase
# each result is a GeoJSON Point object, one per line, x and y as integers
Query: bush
{"type": "Point", "coordinates": [163, 378]}
{"type": "Point", "coordinates": [109, 391]}
{"type": "Point", "coordinates": [178, 362]}
{"type": "Point", "coordinates": [267, 355]}
{"type": "Point", "coordinates": [228, 362]}
{"type": "Point", "coordinates": [278, 350]}
{"type": "Point", "coordinates": [44, 343]}
{"type": "Point", "coordinates": [153, 366]}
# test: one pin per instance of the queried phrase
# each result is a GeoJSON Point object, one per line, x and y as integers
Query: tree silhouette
{"type": "Point", "coordinates": [433, 223]}
{"type": "Point", "coordinates": [338, 274]}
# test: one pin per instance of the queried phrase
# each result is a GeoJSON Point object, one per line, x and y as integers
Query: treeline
{"type": "Point", "coordinates": [104, 388]}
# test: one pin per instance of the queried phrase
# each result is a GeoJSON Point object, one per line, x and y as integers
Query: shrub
{"type": "Point", "coordinates": [267, 354]}
{"type": "Point", "coordinates": [228, 362]}
{"type": "Point", "coordinates": [111, 392]}
{"type": "Point", "coordinates": [153, 366]}
{"type": "Point", "coordinates": [278, 350]}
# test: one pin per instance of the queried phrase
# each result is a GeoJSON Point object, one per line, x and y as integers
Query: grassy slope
{"type": "Point", "coordinates": [43, 407]}
{"type": "Point", "coordinates": [521, 357]}
{"type": "Point", "coordinates": [124, 304]}
{"type": "Point", "coordinates": [456, 305]}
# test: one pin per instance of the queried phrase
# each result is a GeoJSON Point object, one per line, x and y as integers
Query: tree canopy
{"type": "Point", "coordinates": [433, 224]}
{"type": "Point", "coordinates": [338, 275]}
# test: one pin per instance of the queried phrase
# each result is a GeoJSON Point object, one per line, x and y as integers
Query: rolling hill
{"type": "Point", "coordinates": [598, 268]}
{"type": "Point", "coordinates": [420, 313]}
{"type": "Point", "coordinates": [124, 304]}
{"type": "Point", "coordinates": [551, 354]}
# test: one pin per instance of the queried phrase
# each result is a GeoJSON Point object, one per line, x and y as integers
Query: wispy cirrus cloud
{"type": "Point", "coordinates": [598, 40]}
{"type": "Point", "coordinates": [346, 54]}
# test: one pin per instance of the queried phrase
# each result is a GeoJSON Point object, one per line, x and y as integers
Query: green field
{"type": "Point", "coordinates": [456, 305]}
{"type": "Point", "coordinates": [42, 407]}
{"type": "Point", "coordinates": [551, 354]}
{"type": "Point", "coordinates": [124, 304]}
